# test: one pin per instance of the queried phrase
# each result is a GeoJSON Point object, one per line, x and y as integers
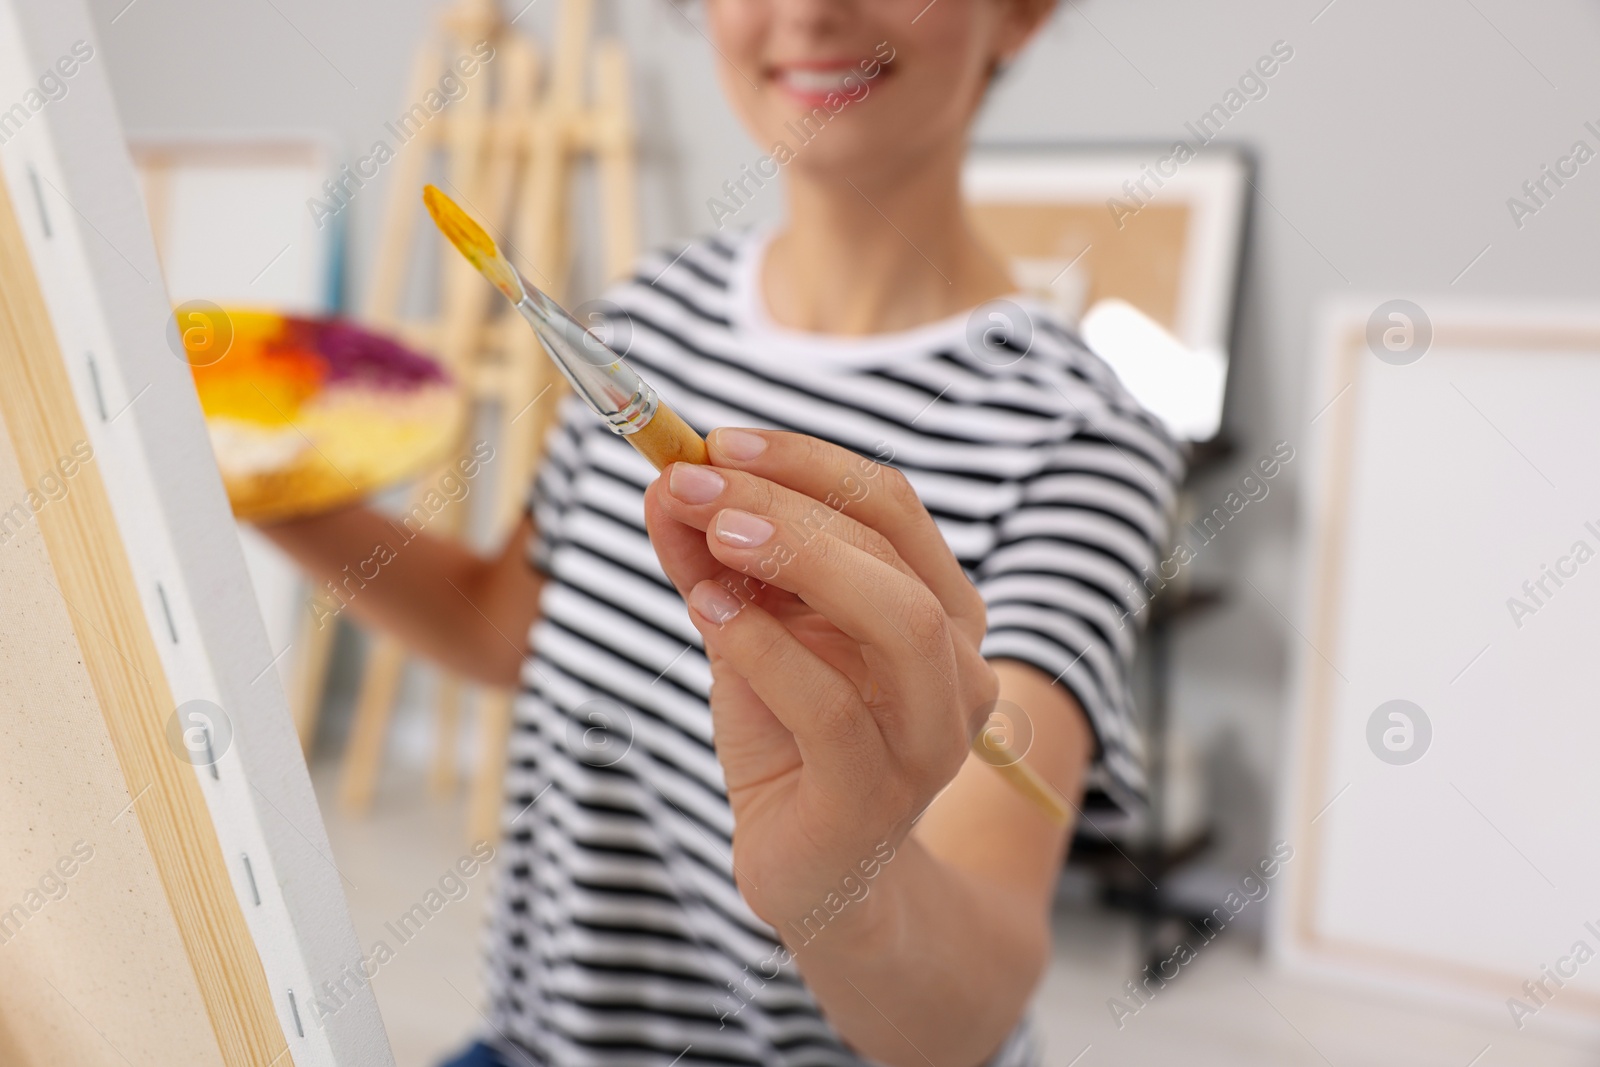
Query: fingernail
{"type": "Point", "coordinates": [741, 444]}
{"type": "Point", "coordinates": [742, 529]}
{"type": "Point", "coordinates": [714, 602]}
{"type": "Point", "coordinates": [695, 484]}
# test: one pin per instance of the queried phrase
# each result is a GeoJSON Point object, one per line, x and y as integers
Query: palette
{"type": "Point", "coordinates": [306, 415]}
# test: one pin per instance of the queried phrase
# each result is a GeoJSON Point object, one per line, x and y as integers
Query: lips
{"type": "Point", "coordinates": [812, 83]}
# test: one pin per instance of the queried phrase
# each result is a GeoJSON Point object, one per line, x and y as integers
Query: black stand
{"type": "Point", "coordinates": [1130, 875]}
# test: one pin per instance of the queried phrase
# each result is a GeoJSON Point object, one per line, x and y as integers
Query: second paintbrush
{"type": "Point", "coordinates": [627, 403]}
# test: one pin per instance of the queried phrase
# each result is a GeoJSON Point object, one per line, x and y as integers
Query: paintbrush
{"type": "Point", "coordinates": [627, 403]}
{"type": "Point", "coordinates": [630, 406]}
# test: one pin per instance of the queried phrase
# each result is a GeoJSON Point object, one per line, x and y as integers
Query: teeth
{"type": "Point", "coordinates": [817, 81]}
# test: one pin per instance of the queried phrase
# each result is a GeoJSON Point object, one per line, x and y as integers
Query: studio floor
{"type": "Point", "coordinates": [1227, 1009]}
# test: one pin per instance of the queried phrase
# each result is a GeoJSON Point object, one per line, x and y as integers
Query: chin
{"type": "Point", "coordinates": [837, 158]}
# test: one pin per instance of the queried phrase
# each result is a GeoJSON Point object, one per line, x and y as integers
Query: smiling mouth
{"type": "Point", "coordinates": [813, 83]}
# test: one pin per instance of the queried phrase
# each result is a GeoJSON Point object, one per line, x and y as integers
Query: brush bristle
{"type": "Point", "coordinates": [472, 241]}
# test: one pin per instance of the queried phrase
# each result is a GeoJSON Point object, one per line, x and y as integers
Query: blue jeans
{"type": "Point", "coordinates": [479, 1055]}
{"type": "Point", "coordinates": [1020, 1048]}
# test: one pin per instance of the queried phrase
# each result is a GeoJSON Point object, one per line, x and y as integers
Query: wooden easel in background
{"type": "Point", "coordinates": [510, 161]}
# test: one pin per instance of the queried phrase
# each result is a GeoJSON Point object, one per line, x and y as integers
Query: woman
{"type": "Point", "coordinates": [752, 831]}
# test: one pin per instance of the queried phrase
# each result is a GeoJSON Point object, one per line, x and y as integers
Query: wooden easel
{"type": "Point", "coordinates": [511, 162]}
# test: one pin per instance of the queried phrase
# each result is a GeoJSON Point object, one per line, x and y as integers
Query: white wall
{"type": "Point", "coordinates": [1388, 146]}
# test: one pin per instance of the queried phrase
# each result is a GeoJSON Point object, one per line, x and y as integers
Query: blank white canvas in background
{"type": "Point", "coordinates": [1478, 864]}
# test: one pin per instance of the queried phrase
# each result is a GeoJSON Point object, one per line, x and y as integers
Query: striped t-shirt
{"type": "Point", "coordinates": [618, 936]}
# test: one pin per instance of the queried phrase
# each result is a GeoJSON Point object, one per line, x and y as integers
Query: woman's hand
{"type": "Point", "coordinates": [843, 640]}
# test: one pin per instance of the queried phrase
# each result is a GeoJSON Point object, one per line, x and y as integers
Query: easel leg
{"type": "Point", "coordinates": [364, 756]}
{"type": "Point", "coordinates": [311, 677]}
{"type": "Point", "coordinates": [483, 817]}
{"type": "Point", "coordinates": [447, 718]}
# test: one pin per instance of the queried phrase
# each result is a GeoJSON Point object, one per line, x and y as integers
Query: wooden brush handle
{"type": "Point", "coordinates": [1023, 778]}
{"type": "Point", "coordinates": [668, 439]}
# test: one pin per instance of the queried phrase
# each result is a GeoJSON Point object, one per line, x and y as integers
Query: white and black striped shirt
{"type": "Point", "coordinates": [618, 935]}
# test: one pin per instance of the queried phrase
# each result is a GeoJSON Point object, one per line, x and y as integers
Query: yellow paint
{"type": "Point", "coordinates": [472, 241]}
{"type": "Point", "coordinates": [340, 447]}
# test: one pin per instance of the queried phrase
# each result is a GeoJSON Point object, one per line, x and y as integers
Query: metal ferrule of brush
{"type": "Point", "coordinates": [636, 414]}
{"type": "Point", "coordinates": [597, 374]}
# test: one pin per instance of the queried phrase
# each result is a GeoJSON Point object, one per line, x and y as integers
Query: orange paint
{"type": "Point", "coordinates": [472, 241]}
{"type": "Point", "coordinates": [265, 376]}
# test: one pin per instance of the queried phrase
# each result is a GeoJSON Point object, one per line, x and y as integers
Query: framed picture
{"type": "Point", "coordinates": [1441, 789]}
{"type": "Point", "coordinates": [233, 220]}
{"type": "Point", "coordinates": [1157, 228]}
